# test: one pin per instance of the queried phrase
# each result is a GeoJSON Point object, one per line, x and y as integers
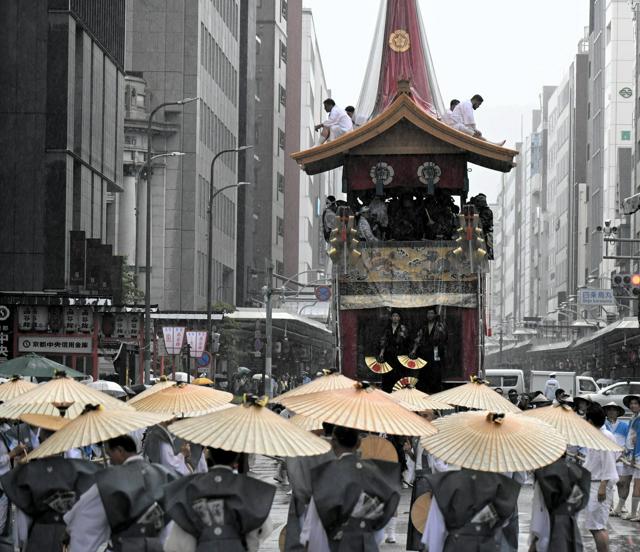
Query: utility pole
{"type": "Point", "coordinates": [267, 291]}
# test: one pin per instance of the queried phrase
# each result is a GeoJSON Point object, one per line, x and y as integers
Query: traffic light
{"type": "Point", "coordinates": [630, 282]}
{"type": "Point", "coordinates": [344, 238]}
{"type": "Point", "coordinates": [215, 342]}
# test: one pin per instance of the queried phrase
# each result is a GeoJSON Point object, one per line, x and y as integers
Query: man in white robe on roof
{"type": "Point", "coordinates": [337, 123]}
{"type": "Point", "coordinates": [464, 118]}
{"type": "Point", "coordinates": [447, 116]}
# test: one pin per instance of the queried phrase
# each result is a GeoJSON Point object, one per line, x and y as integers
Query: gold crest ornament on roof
{"type": "Point", "coordinates": [399, 41]}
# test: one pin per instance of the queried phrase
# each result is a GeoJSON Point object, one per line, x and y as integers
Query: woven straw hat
{"type": "Point", "coordinates": [15, 387]}
{"type": "Point", "coordinates": [377, 448]}
{"type": "Point", "coordinates": [494, 442]}
{"type": "Point", "coordinates": [417, 401]}
{"type": "Point", "coordinates": [573, 428]}
{"type": "Point", "coordinates": [202, 381]}
{"type": "Point", "coordinates": [377, 367]}
{"type": "Point", "coordinates": [361, 407]}
{"type": "Point", "coordinates": [329, 381]}
{"type": "Point", "coordinates": [52, 423]}
{"type": "Point", "coordinates": [184, 400]}
{"type": "Point", "coordinates": [159, 386]}
{"type": "Point", "coordinates": [477, 395]}
{"type": "Point", "coordinates": [251, 428]}
{"type": "Point", "coordinates": [412, 363]}
{"type": "Point", "coordinates": [306, 423]}
{"type": "Point", "coordinates": [95, 426]}
{"type": "Point", "coordinates": [62, 391]}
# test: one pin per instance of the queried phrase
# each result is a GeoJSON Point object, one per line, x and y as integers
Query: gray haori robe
{"type": "Point", "coordinates": [219, 508]}
{"type": "Point", "coordinates": [355, 498]}
{"type": "Point", "coordinates": [475, 506]}
{"type": "Point", "coordinates": [132, 495]}
{"type": "Point", "coordinates": [45, 490]}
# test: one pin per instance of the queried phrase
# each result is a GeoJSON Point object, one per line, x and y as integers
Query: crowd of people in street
{"type": "Point", "coordinates": [163, 492]}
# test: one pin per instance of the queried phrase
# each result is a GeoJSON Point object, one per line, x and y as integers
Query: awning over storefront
{"type": "Point", "coordinates": [549, 347]}
{"type": "Point", "coordinates": [629, 324]}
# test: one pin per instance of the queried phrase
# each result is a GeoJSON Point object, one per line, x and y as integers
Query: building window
{"type": "Point", "coordinates": [280, 185]}
{"type": "Point", "coordinates": [283, 96]}
{"type": "Point", "coordinates": [280, 226]}
{"type": "Point", "coordinates": [281, 139]}
{"type": "Point", "coordinates": [284, 8]}
{"type": "Point", "coordinates": [280, 268]}
{"type": "Point", "coordinates": [625, 135]}
{"type": "Point", "coordinates": [283, 52]}
{"type": "Point", "coordinates": [131, 140]}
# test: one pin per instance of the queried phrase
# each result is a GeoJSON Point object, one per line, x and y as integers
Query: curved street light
{"type": "Point", "coordinates": [147, 275]}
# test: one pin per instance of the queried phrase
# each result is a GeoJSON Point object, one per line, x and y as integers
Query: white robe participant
{"type": "Point", "coordinates": [338, 122]}
{"type": "Point", "coordinates": [463, 118]}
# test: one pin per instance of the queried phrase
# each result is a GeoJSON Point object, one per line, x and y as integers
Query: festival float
{"type": "Point", "coordinates": [410, 277]}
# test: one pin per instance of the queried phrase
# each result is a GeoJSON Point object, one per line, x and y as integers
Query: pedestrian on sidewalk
{"type": "Point", "coordinates": [619, 430]}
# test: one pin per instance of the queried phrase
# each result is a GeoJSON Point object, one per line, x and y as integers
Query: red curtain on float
{"type": "Point", "coordinates": [349, 341]}
{"type": "Point", "coordinates": [411, 64]}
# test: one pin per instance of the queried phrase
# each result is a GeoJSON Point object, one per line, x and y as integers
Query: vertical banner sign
{"type": "Point", "coordinates": [70, 320]}
{"type": "Point", "coordinates": [25, 319]}
{"type": "Point", "coordinates": [121, 326]}
{"type": "Point", "coordinates": [134, 325]}
{"type": "Point", "coordinates": [86, 320]}
{"type": "Point", "coordinates": [40, 318]}
{"type": "Point", "coordinates": [6, 334]}
{"type": "Point", "coordinates": [197, 342]}
{"type": "Point", "coordinates": [173, 339]}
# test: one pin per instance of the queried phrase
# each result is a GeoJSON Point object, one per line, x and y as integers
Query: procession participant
{"type": "Point", "coordinates": [447, 116]}
{"type": "Point", "coordinates": [300, 468]}
{"type": "Point", "coordinates": [469, 510]}
{"type": "Point", "coordinates": [619, 429]}
{"type": "Point", "coordinates": [336, 124]}
{"type": "Point", "coordinates": [393, 342]}
{"type": "Point", "coordinates": [123, 506]}
{"type": "Point", "coordinates": [580, 406]}
{"type": "Point", "coordinates": [43, 491]}
{"type": "Point", "coordinates": [220, 511]}
{"type": "Point", "coordinates": [525, 402]}
{"type": "Point", "coordinates": [430, 345]}
{"type": "Point", "coordinates": [602, 466]}
{"type": "Point", "coordinates": [159, 448]}
{"type": "Point", "coordinates": [352, 499]}
{"type": "Point", "coordinates": [632, 452]}
{"type": "Point", "coordinates": [7, 455]}
{"type": "Point", "coordinates": [561, 491]}
{"type": "Point", "coordinates": [464, 119]}
{"type": "Point", "coordinates": [329, 219]}
{"type": "Point", "coordinates": [357, 120]}
{"type": "Point", "coordinates": [513, 396]}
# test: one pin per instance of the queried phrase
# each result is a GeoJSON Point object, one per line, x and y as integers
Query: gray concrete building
{"type": "Point", "coordinates": [183, 49]}
{"type": "Point", "coordinates": [61, 112]}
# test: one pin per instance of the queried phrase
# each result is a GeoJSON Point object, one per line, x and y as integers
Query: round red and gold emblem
{"type": "Point", "coordinates": [399, 41]}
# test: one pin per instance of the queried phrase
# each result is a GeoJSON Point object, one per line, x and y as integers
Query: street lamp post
{"type": "Point", "coordinates": [212, 196]}
{"type": "Point", "coordinates": [147, 279]}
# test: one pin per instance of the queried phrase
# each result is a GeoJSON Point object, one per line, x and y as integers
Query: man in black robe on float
{"type": "Point", "coordinates": [393, 342]}
{"type": "Point", "coordinates": [430, 345]}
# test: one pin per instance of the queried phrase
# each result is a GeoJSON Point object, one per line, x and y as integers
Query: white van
{"type": "Point", "coordinates": [572, 384]}
{"type": "Point", "coordinates": [506, 379]}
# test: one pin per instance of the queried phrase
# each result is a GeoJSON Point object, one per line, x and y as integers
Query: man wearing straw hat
{"type": "Point", "coordinates": [220, 510]}
{"type": "Point", "coordinates": [352, 499]}
{"type": "Point", "coordinates": [619, 430]}
{"type": "Point", "coordinates": [632, 452]}
{"type": "Point", "coordinates": [123, 506]}
{"type": "Point", "coordinates": [602, 466]}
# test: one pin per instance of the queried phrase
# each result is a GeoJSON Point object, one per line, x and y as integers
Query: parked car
{"type": "Point", "coordinates": [616, 392]}
{"type": "Point", "coordinates": [572, 384]}
{"type": "Point", "coordinates": [506, 379]}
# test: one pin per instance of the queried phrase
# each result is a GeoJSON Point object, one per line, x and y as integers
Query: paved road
{"type": "Point", "coordinates": [624, 535]}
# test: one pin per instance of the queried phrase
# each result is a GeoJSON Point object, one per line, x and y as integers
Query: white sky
{"type": "Point", "coordinates": [505, 50]}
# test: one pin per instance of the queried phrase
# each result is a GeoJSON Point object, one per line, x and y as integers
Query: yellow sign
{"type": "Point", "coordinates": [399, 41]}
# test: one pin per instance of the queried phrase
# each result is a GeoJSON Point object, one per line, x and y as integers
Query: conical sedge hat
{"type": "Point", "coordinates": [250, 428]}
{"type": "Point", "coordinates": [476, 395]}
{"type": "Point", "coordinates": [417, 401]}
{"type": "Point", "coordinates": [329, 381]}
{"type": "Point", "coordinates": [184, 400]}
{"type": "Point", "coordinates": [15, 387]}
{"type": "Point", "coordinates": [573, 428]}
{"type": "Point", "coordinates": [490, 442]}
{"type": "Point", "coordinates": [306, 423]}
{"type": "Point", "coordinates": [63, 391]}
{"type": "Point", "coordinates": [159, 386]}
{"type": "Point", "coordinates": [361, 407]}
{"type": "Point", "coordinates": [95, 425]}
